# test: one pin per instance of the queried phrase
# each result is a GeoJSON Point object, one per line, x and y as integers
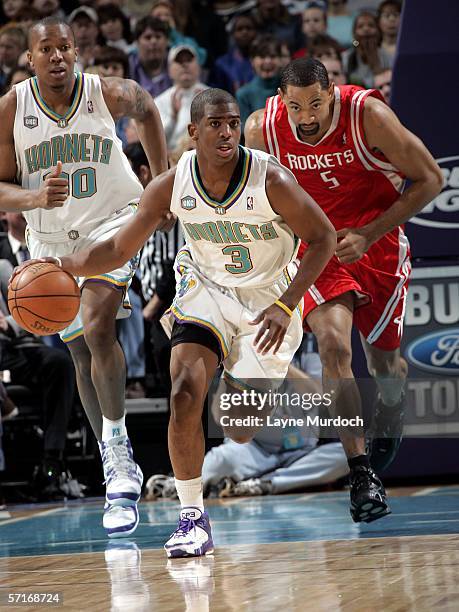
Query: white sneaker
{"type": "Point", "coordinates": [193, 536]}
{"type": "Point", "coordinates": [123, 476]}
{"type": "Point", "coordinates": [120, 521]}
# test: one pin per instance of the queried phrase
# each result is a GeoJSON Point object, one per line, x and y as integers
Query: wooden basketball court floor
{"type": "Point", "coordinates": [281, 553]}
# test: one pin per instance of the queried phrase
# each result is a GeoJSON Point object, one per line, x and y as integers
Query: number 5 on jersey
{"type": "Point", "coordinates": [82, 182]}
{"type": "Point", "coordinates": [327, 178]}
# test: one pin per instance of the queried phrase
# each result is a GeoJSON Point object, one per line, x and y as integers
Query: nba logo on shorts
{"type": "Point", "coordinates": [188, 203]}
{"type": "Point", "coordinates": [249, 202]}
{"type": "Point", "coordinates": [30, 122]}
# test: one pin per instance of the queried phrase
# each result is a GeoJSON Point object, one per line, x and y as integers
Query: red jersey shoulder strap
{"type": "Point", "coordinates": [273, 110]}
{"type": "Point", "coordinates": [370, 159]}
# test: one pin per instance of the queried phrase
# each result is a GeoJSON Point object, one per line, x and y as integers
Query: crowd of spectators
{"type": "Point", "coordinates": [174, 49]}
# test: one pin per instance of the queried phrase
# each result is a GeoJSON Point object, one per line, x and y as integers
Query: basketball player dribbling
{"type": "Point", "coordinates": [240, 210]}
{"type": "Point", "coordinates": [75, 188]}
{"type": "Point", "coordinates": [349, 151]}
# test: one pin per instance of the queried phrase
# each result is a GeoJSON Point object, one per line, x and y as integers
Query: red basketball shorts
{"type": "Point", "coordinates": [380, 282]}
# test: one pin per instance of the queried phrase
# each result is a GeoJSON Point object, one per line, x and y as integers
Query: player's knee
{"type": "Point", "coordinates": [186, 400]}
{"type": "Point", "coordinates": [335, 352]}
{"type": "Point", "coordinates": [384, 367]}
{"type": "Point", "coordinates": [100, 334]}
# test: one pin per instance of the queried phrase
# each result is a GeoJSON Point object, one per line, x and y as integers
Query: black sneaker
{"type": "Point", "coordinates": [385, 433]}
{"type": "Point", "coordinates": [368, 496]}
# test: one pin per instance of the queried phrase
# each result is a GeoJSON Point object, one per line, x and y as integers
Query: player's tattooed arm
{"type": "Point", "coordinates": [126, 98]}
{"type": "Point", "coordinates": [253, 131]}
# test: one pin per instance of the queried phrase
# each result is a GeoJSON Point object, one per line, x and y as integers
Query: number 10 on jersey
{"type": "Point", "coordinates": [82, 182]}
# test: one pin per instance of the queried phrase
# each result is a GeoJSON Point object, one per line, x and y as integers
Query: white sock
{"type": "Point", "coordinates": [190, 492]}
{"type": "Point", "coordinates": [113, 429]}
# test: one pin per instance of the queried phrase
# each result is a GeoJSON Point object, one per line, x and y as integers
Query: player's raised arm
{"type": "Point", "coordinates": [253, 131]}
{"type": "Point", "coordinates": [126, 98]}
{"type": "Point", "coordinates": [408, 154]}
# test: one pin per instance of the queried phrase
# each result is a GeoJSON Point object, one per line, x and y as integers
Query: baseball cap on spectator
{"type": "Point", "coordinates": [86, 11]}
{"type": "Point", "coordinates": [174, 52]}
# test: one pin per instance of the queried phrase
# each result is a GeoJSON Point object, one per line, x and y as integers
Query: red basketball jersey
{"type": "Point", "coordinates": [351, 183]}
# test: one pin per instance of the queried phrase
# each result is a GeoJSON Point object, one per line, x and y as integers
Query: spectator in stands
{"type": "Point", "coordinates": [199, 21]}
{"type": "Point", "coordinates": [115, 28]}
{"type": "Point", "coordinates": [46, 8]}
{"type": "Point", "coordinates": [25, 18]}
{"type": "Point", "coordinates": [174, 104]}
{"type": "Point", "coordinates": [234, 69]}
{"type": "Point", "coordinates": [265, 55]}
{"type": "Point", "coordinates": [335, 71]}
{"type": "Point", "coordinates": [148, 66]}
{"type": "Point", "coordinates": [12, 244]}
{"type": "Point", "coordinates": [84, 22]}
{"type": "Point", "coordinates": [389, 23]}
{"type": "Point", "coordinates": [286, 56]}
{"type": "Point", "coordinates": [111, 61]}
{"type": "Point", "coordinates": [340, 22]}
{"type": "Point", "coordinates": [366, 58]}
{"type": "Point", "coordinates": [50, 374]}
{"type": "Point", "coordinates": [383, 82]}
{"type": "Point", "coordinates": [273, 18]}
{"type": "Point", "coordinates": [165, 10]}
{"type": "Point", "coordinates": [314, 19]}
{"type": "Point", "coordinates": [17, 75]}
{"type": "Point", "coordinates": [12, 45]}
{"type": "Point", "coordinates": [321, 47]}
{"type": "Point", "coordinates": [11, 8]}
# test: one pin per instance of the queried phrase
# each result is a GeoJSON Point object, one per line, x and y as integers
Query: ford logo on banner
{"type": "Point", "coordinates": [437, 352]}
{"type": "Point", "coordinates": [443, 211]}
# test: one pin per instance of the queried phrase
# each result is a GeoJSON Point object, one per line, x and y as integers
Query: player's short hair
{"type": "Point", "coordinates": [53, 20]}
{"type": "Point", "coordinates": [211, 97]}
{"type": "Point", "coordinates": [303, 72]}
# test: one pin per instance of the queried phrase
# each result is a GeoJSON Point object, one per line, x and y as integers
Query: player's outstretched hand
{"type": "Point", "coordinates": [54, 191]}
{"type": "Point", "coordinates": [274, 323]}
{"type": "Point", "coordinates": [31, 262]}
{"type": "Point", "coordinates": [353, 243]}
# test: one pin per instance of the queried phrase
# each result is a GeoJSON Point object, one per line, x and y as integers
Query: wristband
{"type": "Point", "coordinates": [285, 308]}
{"type": "Point", "coordinates": [59, 261]}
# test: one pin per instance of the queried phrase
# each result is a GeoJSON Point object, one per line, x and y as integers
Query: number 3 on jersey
{"type": "Point", "coordinates": [327, 178]}
{"type": "Point", "coordinates": [240, 257]}
{"type": "Point", "coordinates": [82, 182]}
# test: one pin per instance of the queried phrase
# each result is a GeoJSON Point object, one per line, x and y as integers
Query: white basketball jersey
{"type": "Point", "coordinates": [240, 242]}
{"type": "Point", "coordinates": [100, 177]}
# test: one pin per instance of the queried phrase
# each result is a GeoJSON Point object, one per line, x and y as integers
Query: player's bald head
{"type": "Point", "coordinates": [39, 29]}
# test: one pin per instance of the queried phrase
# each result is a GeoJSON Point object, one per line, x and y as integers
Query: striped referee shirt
{"type": "Point", "coordinates": [158, 257]}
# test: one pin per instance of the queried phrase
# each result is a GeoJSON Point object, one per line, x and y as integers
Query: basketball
{"type": "Point", "coordinates": [43, 299]}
